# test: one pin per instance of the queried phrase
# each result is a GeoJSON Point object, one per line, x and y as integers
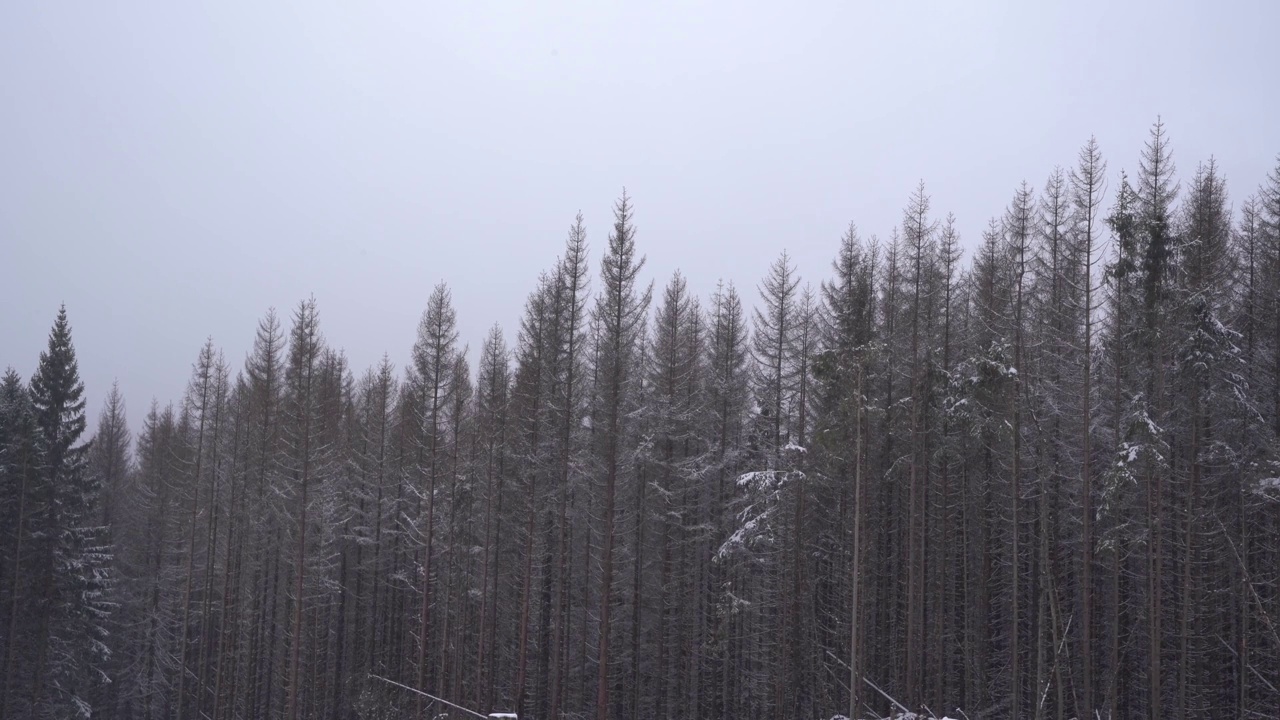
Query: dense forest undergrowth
{"type": "Point", "coordinates": [1041, 482]}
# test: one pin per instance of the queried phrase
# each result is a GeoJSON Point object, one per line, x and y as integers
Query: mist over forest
{"type": "Point", "coordinates": [1037, 480]}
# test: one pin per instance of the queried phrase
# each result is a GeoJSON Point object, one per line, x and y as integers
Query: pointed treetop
{"type": "Point", "coordinates": [57, 394]}
{"type": "Point", "coordinates": [56, 381]}
{"type": "Point", "coordinates": [1156, 186]}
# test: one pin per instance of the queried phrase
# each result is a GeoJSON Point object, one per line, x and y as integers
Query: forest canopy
{"type": "Point", "coordinates": [1038, 481]}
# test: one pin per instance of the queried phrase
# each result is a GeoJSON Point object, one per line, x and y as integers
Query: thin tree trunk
{"type": "Point", "coordinates": [300, 568]}
{"type": "Point", "coordinates": [12, 635]}
{"type": "Point", "coordinates": [855, 649]}
{"type": "Point", "coordinates": [191, 544]}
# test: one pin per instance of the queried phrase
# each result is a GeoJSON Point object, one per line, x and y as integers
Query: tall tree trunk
{"type": "Point", "coordinates": [191, 542]}
{"type": "Point", "coordinates": [855, 647]}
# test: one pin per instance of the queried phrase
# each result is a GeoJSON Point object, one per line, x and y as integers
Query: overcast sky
{"type": "Point", "coordinates": [170, 170]}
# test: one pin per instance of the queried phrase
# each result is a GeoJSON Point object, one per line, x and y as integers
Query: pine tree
{"type": "Point", "coordinates": [493, 386]}
{"type": "Point", "coordinates": [620, 312]}
{"type": "Point", "coordinates": [304, 468]}
{"type": "Point", "coordinates": [1156, 193]}
{"type": "Point", "coordinates": [18, 464]}
{"type": "Point", "coordinates": [569, 346]}
{"type": "Point", "coordinates": [847, 320]}
{"type": "Point", "coordinates": [1260, 560]}
{"type": "Point", "coordinates": [1051, 362]}
{"type": "Point", "coordinates": [111, 456]}
{"type": "Point", "coordinates": [226, 649]}
{"type": "Point", "coordinates": [203, 404]}
{"type": "Point", "coordinates": [457, 535]}
{"type": "Point", "coordinates": [148, 574]}
{"type": "Point", "coordinates": [432, 384]}
{"type": "Point", "coordinates": [1087, 187]}
{"type": "Point", "coordinates": [375, 406]}
{"type": "Point", "coordinates": [919, 248]}
{"type": "Point", "coordinates": [529, 405]}
{"type": "Point", "coordinates": [1205, 374]}
{"type": "Point", "coordinates": [727, 397]}
{"type": "Point", "coordinates": [773, 343]}
{"type": "Point", "coordinates": [110, 459]}
{"type": "Point", "coordinates": [1017, 229]}
{"type": "Point", "coordinates": [783, 341]}
{"type": "Point", "coordinates": [983, 393]}
{"type": "Point", "coordinates": [265, 373]}
{"type": "Point", "coordinates": [674, 403]}
{"type": "Point", "coordinates": [74, 563]}
{"type": "Point", "coordinates": [1269, 212]}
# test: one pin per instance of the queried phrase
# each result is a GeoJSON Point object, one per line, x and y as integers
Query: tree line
{"type": "Point", "coordinates": [1039, 483]}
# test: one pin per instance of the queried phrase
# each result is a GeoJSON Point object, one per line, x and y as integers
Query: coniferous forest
{"type": "Point", "coordinates": [1037, 479]}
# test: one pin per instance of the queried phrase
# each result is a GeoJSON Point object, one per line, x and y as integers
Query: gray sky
{"type": "Point", "coordinates": [171, 170]}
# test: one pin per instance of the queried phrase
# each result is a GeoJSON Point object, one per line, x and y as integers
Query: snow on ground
{"type": "Point", "coordinates": [902, 716]}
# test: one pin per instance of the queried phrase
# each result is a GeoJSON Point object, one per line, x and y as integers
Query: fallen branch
{"type": "Point", "coordinates": [429, 695]}
{"type": "Point", "coordinates": [875, 687]}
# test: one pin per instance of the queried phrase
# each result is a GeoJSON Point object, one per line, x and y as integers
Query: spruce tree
{"type": "Point", "coordinates": [1017, 231]}
{"type": "Point", "coordinates": [74, 563]}
{"type": "Point", "coordinates": [846, 324]}
{"type": "Point", "coordinates": [111, 457]}
{"type": "Point", "coordinates": [304, 465]}
{"type": "Point", "coordinates": [528, 406]}
{"type": "Point", "coordinates": [675, 401]}
{"type": "Point", "coordinates": [493, 387]}
{"type": "Point", "coordinates": [919, 250]}
{"type": "Point", "coordinates": [569, 346]}
{"type": "Point", "coordinates": [773, 345]}
{"type": "Point", "coordinates": [728, 395]}
{"type": "Point", "coordinates": [1156, 193]}
{"type": "Point", "coordinates": [17, 484]}
{"type": "Point", "coordinates": [1269, 215]}
{"type": "Point", "coordinates": [110, 460]}
{"type": "Point", "coordinates": [202, 407]}
{"type": "Point", "coordinates": [432, 383]}
{"type": "Point", "coordinates": [265, 376]}
{"type": "Point", "coordinates": [620, 312]}
{"type": "Point", "coordinates": [1205, 376]}
{"type": "Point", "coordinates": [1087, 187]}
{"type": "Point", "coordinates": [149, 570]}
